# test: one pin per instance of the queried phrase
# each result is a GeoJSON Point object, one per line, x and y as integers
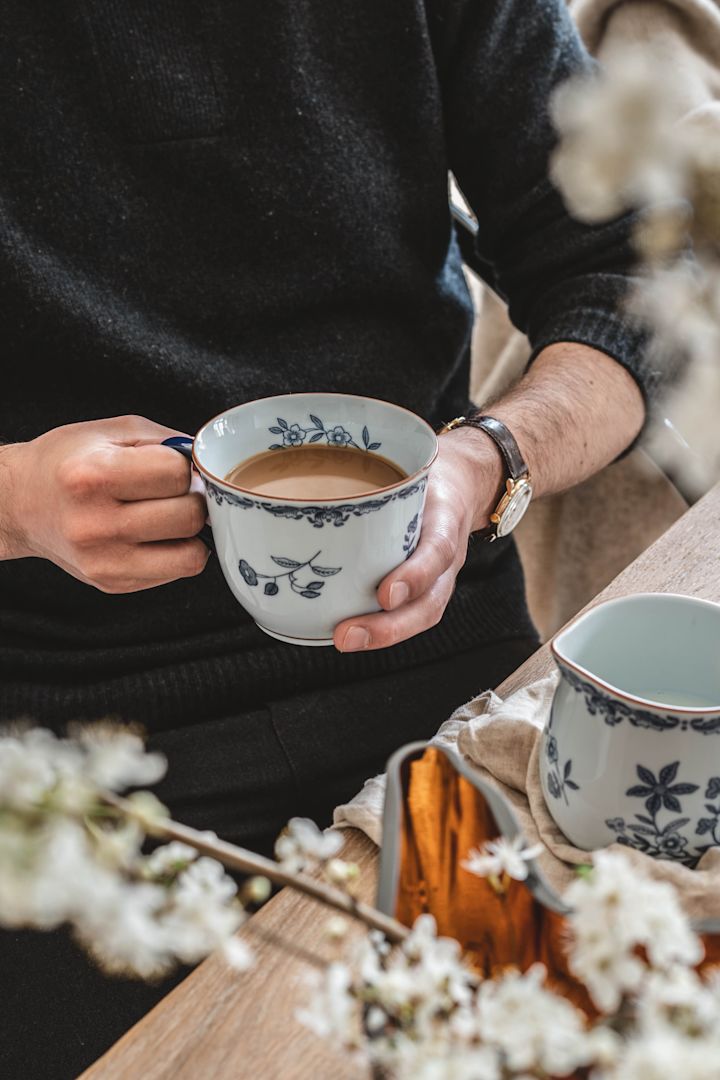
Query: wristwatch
{"type": "Point", "coordinates": [516, 497]}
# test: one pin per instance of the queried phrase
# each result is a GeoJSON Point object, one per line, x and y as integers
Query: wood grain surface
{"type": "Point", "coordinates": [218, 1025]}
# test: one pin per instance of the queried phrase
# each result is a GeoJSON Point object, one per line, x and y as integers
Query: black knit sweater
{"type": "Point", "coordinates": [205, 203]}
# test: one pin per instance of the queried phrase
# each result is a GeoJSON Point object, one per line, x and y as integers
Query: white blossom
{"type": "Point", "coordinates": [336, 928]}
{"type": "Point", "coordinates": [379, 942]}
{"type": "Point", "coordinates": [332, 1011]}
{"type": "Point", "coordinates": [237, 954]}
{"type": "Point", "coordinates": [619, 147]}
{"type": "Point", "coordinates": [47, 874]}
{"type": "Point", "coordinates": [681, 999]}
{"type": "Point", "coordinates": [534, 1028]}
{"type": "Point", "coordinates": [303, 846]}
{"type": "Point", "coordinates": [68, 857]}
{"type": "Point", "coordinates": [682, 305]}
{"type": "Point", "coordinates": [604, 1048]}
{"type": "Point", "coordinates": [417, 1010]}
{"type": "Point", "coordinates": [631, 138]}
{"type": "Point", "coordinates": [438, 1060]}
{"type": "Point", "coordinates": [614, 910]}
{"type": "Point", "coordinates": [116, 758]}
{"type": "Point", "coordinates": [121, 928]}
{"type": "Point", "coordinates": [120, 845]}
{"type": "Point", "coordinates": [342, 873]}
{"type": "Point", "coordinates": [407, 995]}
{"type": "Point", "coordinates": [438, 970]}
{"type": "Point", "coordinates": [418, 1013]}
{"type": "Point", "coordinates": [711, 982]}
{"type": "Point", "coordinates": [681, 302]}
{"type": "Point", "coordinates": [199, 915]}
{"type": "Point", "coordinates": [502, 856]}
{"type": "Point", "coordinates": [417, 986]}
{"type": "Point", "coordinates": [667, 1055]}
{"type": "Point", "coordinates": [608, 971]}
{"type": "Point", "coordinates": [676, 1031]}
{"type": "Point", "coordinates": [204, 882]}
{"type": "Point", "coordinates": [170, 858]}
{"type": "Point", "coordinates": [144, 928]}
{"type": "Point", "coordinates": [38, 769]}
{"type": "Point", "coordinates": [667, 935]}
{"type": "Point", "coordinates": [148, 811]}
{"type": "Point", "coordinates": [33, 764]}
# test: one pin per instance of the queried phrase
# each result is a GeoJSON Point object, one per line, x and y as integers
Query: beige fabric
{"type": "Point", "coordinates": [502, 738]}
{"type": "Point", "coordinates": [573, 544]}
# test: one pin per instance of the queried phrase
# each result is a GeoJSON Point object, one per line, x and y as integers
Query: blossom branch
{"type": "Point", "coordinates": [628, 142]}
{"type": "Point", "coordinates": [247, 862]}
{"type": "Point", "coordinates": [71, 852]}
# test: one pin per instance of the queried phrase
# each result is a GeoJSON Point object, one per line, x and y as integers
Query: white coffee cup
{"type": "Point", "coordinates": [300, 567]}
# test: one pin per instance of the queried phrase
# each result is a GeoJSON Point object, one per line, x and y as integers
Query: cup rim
{"type": "Point", "coordinates": [324, 502]}
{"type": "Point", "coordinates": [558, 655]}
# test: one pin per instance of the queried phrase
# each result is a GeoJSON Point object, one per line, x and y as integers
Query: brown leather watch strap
{"type": "Point", "coordinates": [503, 439]}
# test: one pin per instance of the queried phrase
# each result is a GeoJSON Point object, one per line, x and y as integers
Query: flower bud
{"type": "Point", "coordinates": [340, 872]}
{"type": "Point", "coordinates": [257, 890]}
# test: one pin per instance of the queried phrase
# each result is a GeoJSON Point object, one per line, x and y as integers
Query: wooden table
{"type": "Point", "coordinates": [221, 1026]}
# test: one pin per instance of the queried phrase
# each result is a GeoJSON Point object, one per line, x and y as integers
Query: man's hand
{"type": "Point", "coordinates": [573, 412]}
{"type": "Point", "coordinates": [464, 488]}
{"type": "Point", "coordinates": [104, 501]}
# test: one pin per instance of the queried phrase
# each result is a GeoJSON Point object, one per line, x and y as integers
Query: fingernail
{"type": "Point", "coordinates": [356, 638]}
{"type": "Point", "coordinates": [399, 592]}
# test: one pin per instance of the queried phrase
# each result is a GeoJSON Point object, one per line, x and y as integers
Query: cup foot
{"type": "Point", "coordinates": [294, 640]}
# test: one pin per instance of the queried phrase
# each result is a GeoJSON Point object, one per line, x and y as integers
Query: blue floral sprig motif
{"type": "Point", "coordinates": [646, 833]}
{"type": "Point", "coordinates": [411, 537]}
{"type": "Point", "coordinates": [614, 711]}
{"type": "Point", "coordinates": [295, 435]}
{"type": "Point", "coordinates": [559, 779]}
{"type": "Point", "coordinates": [292, 567]}
{"type": "Point", "coordinates": [709, 825]}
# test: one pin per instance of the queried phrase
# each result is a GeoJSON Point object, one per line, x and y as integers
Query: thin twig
{"type": "Point", "coordinates": [248, 862]}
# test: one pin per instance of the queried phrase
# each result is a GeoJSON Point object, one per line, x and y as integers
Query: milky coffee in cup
{"type": "Point", "coordinates": [315, 472]}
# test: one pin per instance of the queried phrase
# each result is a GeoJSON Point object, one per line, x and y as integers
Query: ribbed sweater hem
{"type": "Point", "coordinates": [231, 683]}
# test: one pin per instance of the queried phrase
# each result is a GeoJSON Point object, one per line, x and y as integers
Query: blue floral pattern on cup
{"type": "Point", "coordinates": [411, 537]}
{"type": "Point", "coordinates": [292, 436]}
{"type": "Point", "coordinates": [614, 712]}
{"type": "Point", "coordinates": [559, 778]}
{"type": "Point", "coordinates": [710, 826]}
{"type": "Point", "coordinates": [648, 833]}
{"type": "Point", "coordinates": [336, 435]}
{"type": "Point", "coordinates": [292, 567]}
{"type": "Point", "coordinates": [316, 515]}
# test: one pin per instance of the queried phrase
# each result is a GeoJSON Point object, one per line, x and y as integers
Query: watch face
{"type": "Point", "coordinates": [515, 507]}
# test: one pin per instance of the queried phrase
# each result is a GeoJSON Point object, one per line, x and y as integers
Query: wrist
{"type": "Point", "coordinates": [486, 467]}
{"type": "Point", "coordinates": [12, 540]}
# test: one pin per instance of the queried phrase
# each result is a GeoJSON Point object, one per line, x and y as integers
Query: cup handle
{"type": "Point", "coordinates": [183, 445]}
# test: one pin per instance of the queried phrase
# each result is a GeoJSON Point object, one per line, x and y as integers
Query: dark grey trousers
{"type": "Point", "coordinates": [242, 776]}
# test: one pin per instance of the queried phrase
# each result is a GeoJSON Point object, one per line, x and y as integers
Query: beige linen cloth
{"type": "Point", "coordinates": [573, 544]}
{"type": "Point", "coordinates": [502, 739]}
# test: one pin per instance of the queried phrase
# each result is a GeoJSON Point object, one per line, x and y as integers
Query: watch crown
{"type": "Point", "coordinates": [451, 425]}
